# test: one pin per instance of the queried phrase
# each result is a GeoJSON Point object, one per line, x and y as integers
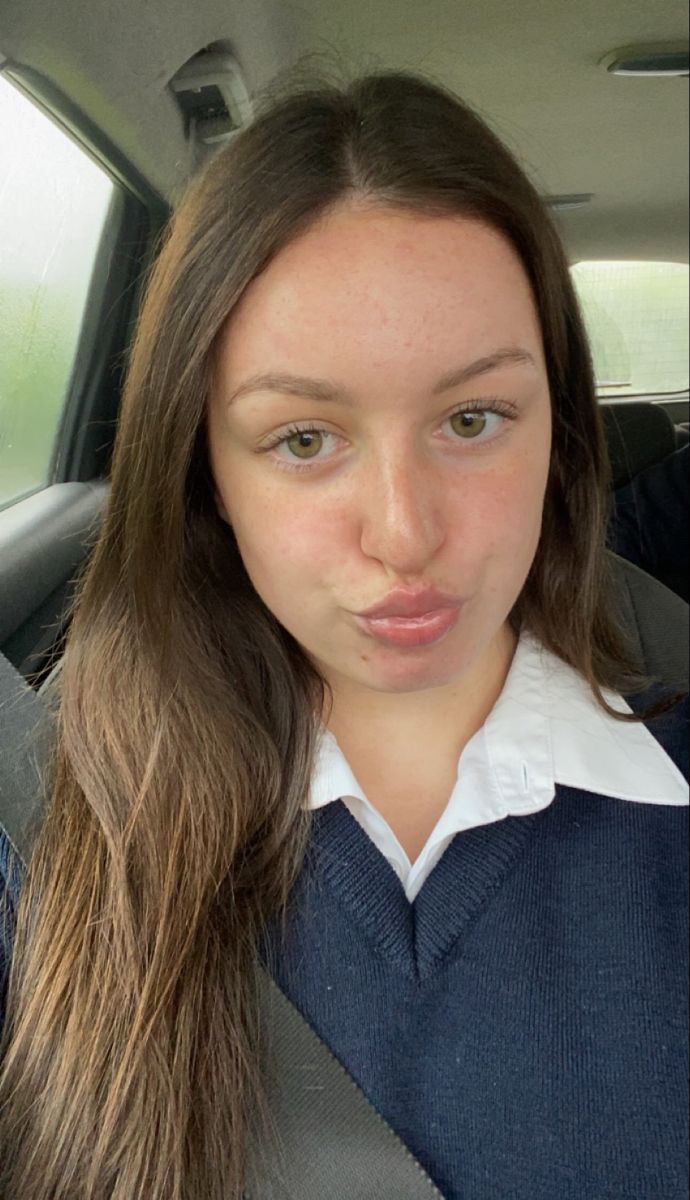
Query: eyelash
{"type": "Point", "coordinates": [501, 408]}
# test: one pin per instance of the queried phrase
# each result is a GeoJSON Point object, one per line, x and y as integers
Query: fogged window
{"type": "Point", "coordinates": [54, 202]}
{"type": "Point", "coordinates": [637, 320]}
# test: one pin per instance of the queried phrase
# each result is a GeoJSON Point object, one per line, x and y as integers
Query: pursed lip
{"type": "Point", "coordinates": [401, 603]}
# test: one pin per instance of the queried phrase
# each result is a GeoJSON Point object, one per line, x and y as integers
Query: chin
{"type": "Point", "coordinates": [413, 670]}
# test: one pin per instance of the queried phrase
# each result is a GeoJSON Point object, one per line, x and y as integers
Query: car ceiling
{"type": "Point", "coordinates": [533, 69]}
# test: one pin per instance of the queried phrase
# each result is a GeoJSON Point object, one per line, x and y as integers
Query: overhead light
{"type": "Point", "coordinates": [669, 60]}
{"type": "Point", "coordinates": [563, 203]}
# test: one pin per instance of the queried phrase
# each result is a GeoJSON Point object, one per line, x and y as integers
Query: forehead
{"type": "Point", "coordinates": [383, 288]}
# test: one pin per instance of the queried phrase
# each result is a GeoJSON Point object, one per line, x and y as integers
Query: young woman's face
{"type": "Point", "coordinates": [372, 331]}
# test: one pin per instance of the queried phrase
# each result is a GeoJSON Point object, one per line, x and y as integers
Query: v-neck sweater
{"type": "Point", "coordinates": [522, 1025]}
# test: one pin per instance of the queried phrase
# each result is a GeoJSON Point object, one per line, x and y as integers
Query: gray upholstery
{"type": "Point", "coordinates": [26, 741]}
{"type": "Point", "coordinates": [44, 541]}
{"type": "Point", "coordinates": [654, 620]}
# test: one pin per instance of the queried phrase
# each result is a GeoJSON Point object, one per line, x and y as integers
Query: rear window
{"type": "Point", "coordinates": [636, 315]}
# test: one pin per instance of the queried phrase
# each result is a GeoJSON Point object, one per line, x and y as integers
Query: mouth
{"type": "Point", "coordinates": [423, 630]}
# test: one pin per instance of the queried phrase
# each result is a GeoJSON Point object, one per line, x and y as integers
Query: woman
{"type": "Point", "coordinates": [350, 597]}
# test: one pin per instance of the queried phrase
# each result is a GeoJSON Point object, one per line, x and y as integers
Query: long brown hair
{"type": "Point", "coordinates": [176, 826]}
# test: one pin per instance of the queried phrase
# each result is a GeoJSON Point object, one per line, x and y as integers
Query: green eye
{"type": "Point", "coordinates": [469, 424]}
{"type": "Point", "coordinates": [306, 440]}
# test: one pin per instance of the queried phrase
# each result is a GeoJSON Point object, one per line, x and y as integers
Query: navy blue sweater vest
{"type": "Point", "coordinates": [523, 1024]}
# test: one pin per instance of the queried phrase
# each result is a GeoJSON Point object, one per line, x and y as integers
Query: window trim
{"type": "Point", "coordinates": [86, 428]}
{"type": "Point", "coordinates": [651, 397]}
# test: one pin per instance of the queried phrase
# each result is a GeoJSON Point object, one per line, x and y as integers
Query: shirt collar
{"type": "Point", "coordinates": [545, 728]}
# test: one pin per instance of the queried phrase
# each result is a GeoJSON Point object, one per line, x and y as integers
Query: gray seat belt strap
{"type": "Point", "coordinates": [346, 1151]}
{"type": "Point", "coordinates": [329, 1142]}
{"type": "Point", "coordinates": [26, 737]}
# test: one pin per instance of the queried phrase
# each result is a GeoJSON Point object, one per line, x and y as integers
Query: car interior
{"type": "Point", "coordinates": [106, 111]}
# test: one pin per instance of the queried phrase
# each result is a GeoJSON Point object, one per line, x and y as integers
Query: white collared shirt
{"type": "Point", "coordinates": [545, 728]}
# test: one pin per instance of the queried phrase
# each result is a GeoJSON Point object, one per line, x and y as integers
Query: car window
{"type": "Point", "coordinates": [54, 203]}
{"type": "Point", "coordinates": [637, 319]}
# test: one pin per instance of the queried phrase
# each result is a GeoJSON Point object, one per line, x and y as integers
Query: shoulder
{"type": "Point", "coordinates": [624, 807]}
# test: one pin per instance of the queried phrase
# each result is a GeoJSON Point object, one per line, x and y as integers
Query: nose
{"type": "Point", "coordinates": [401, 510]}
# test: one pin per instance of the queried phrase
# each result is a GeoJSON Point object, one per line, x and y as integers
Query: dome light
{"type": "Point", "coordinates": [656, 61]}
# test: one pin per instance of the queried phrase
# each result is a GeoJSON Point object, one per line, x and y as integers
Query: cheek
{"type": "Point", "coordinates": [286, 548]}
{"type": "Point", "coordinates": [507, 518]}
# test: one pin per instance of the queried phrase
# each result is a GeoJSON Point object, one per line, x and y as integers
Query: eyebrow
{"type": "Point", "coordinates": [324, 391]}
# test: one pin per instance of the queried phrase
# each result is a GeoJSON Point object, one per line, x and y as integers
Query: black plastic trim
{"type": "Point", "coordinates": [85, 436]}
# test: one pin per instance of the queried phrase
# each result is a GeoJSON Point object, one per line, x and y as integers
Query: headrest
{"type": "Point", "coordinates": [638, 434]}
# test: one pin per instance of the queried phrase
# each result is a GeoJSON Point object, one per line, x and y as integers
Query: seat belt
{"type": "Point", "coordinates": [330, 1142]}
